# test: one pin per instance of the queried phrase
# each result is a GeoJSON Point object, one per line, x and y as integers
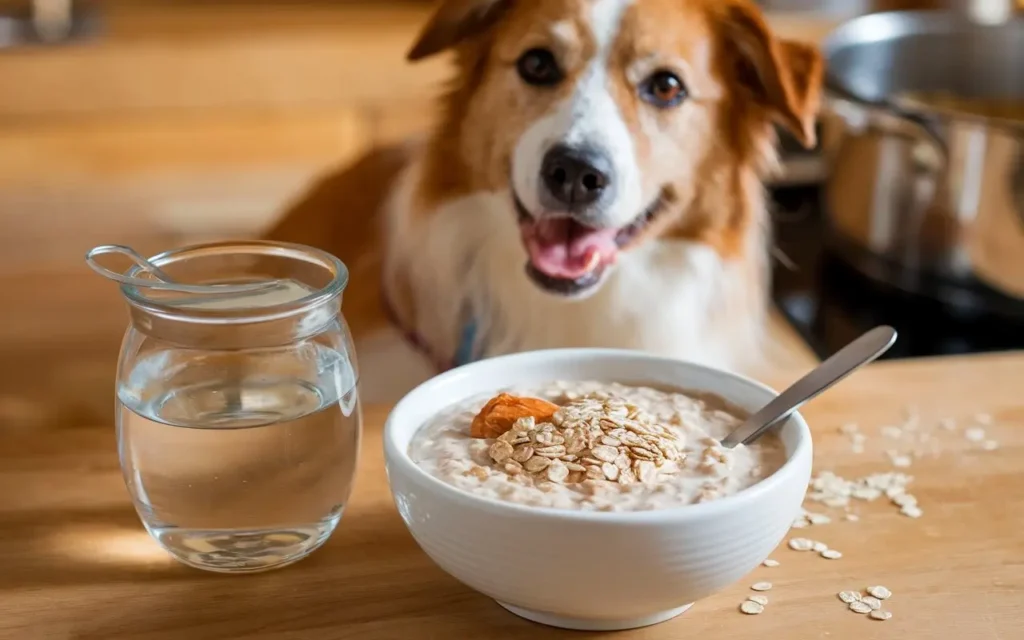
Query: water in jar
{"type": "Point", "coordinates": [240, 461]}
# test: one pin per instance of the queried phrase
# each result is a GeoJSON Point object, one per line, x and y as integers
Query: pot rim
{"type": "Point", "coordinates": [889, 26]}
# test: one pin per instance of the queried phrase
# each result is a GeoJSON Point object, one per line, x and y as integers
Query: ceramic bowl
{"type": "Point", "coordinates": [592, 570]}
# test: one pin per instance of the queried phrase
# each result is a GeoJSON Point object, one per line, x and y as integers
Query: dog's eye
{"type": "Point", "coordinates": [539, 67]}
{"type": "Point", "coordinates": [663, 89]}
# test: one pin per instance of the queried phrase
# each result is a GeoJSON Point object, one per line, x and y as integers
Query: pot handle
{"type": "Point", "coordinates": [931, 154]}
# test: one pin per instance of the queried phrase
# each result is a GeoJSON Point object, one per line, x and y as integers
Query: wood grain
{"type": "Point", "coordinates": [68, 186]}
{"type": "Point", "coordinates": [159, 55]}
{"type": "Point", "coordinates": [77, 563]}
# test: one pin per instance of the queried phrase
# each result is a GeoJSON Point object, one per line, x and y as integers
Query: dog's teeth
{"type": "Point", "coordinates": [595, 259]}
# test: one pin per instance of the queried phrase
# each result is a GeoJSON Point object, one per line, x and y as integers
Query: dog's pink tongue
{"type": "Point", "coordinates": [562, 248]}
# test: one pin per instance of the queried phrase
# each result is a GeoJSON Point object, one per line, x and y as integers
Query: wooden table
{"type": "Point", "coordinates": [75, 563]}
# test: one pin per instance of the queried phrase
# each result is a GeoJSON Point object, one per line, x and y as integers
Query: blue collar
{"type": "Point", "coordinates": [466, 351]}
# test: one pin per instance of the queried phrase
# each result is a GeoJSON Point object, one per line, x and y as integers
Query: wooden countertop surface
{"type": "Point", "coordinates": [76, 562]}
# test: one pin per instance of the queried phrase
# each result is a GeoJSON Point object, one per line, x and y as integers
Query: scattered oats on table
{"type": "Point", "coordinates": [892, 432]}
{"type": "Point", "coordinates": [759, 599]}
{"type": "Point", "coordinates": [859, 607]}
{"type": "Point", "coordinates": [880, 614]}
{"type": "Point", "coordinates": [975, 434]}
{"type": "Point", "coordinates": [801, 544]}
{"type": "Point", "coordinates": [761, 586]}
{"type": "Point", "coordinates": [770, 562]}
{"type": "Point", "coordinates": [751, 608]}
{"type": "Point", "coordinates": [880, 592]}
{"type": "Point", "coordinates": [819, 547]}
{"type": "Point", "coordinates": [904, 499]}
{"type": "Point", "coordinates": [818, 518]}
{"type": "Point", "coordinates": [831, 554]}
{"type": "Point", "coordinates": [912, 511]}
{"type": "Point", "coordinates": [990, 445]}
{"type": "Point", "coordinates": [872, 602]}
{"type": "Point", "coordinates": [899, 459]}
{"type": "Point", "coordinates": [849, 596]}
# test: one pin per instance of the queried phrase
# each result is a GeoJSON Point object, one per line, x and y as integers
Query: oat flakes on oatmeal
{"type": "Point", "coordinates": [608, 447]}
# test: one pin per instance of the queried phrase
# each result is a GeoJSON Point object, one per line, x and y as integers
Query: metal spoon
{"type": "Point", "coordinates": [161, 279]}
{"type": "Point", "coordinates": [842, 363]}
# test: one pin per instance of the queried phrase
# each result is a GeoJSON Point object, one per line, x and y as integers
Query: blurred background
{"type": "Point", "coordinates": [160, 123]}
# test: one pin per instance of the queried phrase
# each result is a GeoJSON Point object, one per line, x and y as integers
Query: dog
{"type": "Point", "coordinates": [595, 179]}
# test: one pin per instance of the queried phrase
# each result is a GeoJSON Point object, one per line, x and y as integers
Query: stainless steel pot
{"type": "Point", "coordinates": [928, 197]}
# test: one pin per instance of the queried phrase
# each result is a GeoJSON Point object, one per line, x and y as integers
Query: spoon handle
{"type": "Point", "coordinates": [842, 363]}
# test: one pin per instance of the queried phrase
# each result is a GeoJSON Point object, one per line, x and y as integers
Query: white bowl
{"type": "Point", "coordinates": [592, 570]}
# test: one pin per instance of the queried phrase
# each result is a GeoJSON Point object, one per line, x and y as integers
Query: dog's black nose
{"type": "Point", "coordinates": [575, 177]}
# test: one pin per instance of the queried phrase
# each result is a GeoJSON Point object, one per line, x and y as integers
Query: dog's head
{"type": "Point", "coordinates": [605, 119]}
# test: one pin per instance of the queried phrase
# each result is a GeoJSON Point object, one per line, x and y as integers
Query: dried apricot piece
{"type": "Point", "coordinates": [502, 411]}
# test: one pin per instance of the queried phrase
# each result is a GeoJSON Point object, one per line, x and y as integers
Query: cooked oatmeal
{"type": "Point", "coordinates": [608, 447]}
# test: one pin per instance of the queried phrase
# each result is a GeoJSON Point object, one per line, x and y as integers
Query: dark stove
{"type": "Point", "coordinates": [829, 304]}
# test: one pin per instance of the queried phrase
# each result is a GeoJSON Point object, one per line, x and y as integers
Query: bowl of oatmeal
{"type": "Point", "coordinates": [586, 488]}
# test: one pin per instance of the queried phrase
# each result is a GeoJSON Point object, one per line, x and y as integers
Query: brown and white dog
{"type": "Point", "coordinates": [594, 180]}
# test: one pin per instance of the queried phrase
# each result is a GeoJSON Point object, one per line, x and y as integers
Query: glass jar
{"type": "Point", "coordinates": [238, 417]}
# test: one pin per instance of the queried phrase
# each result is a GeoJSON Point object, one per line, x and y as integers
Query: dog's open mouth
{"type": "Point", "coordinates": [568, 257]}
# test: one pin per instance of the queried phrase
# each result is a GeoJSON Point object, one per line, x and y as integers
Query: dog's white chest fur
{"type": "Point", "coordinates": [465, 262]}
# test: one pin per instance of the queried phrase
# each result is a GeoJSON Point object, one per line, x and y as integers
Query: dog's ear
{"type": "Point", "coordinates": [453, 22]}
{"type": "Point", "coordinates": [783, 75]}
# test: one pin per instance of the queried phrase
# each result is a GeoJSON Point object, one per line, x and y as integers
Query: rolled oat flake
{"type": "Point", "coordinates": [751, 608]}
{"type": "Point", "coordinates": [801, 544]}
{"type": "Point", "coordinates": [859, 607]}
{"type": "Point", "coordinates": [849, 596]}
{"type": "Point", "coordinates": [761, 600]}
{"type": "Point", "coordinates": [761, 586]}
{"type": "Point", "coordinates": [880, 614]}
{"type": "Point", "coordinates": [872, 602]}
{"type": "Point", "coordinates": [880, 592]}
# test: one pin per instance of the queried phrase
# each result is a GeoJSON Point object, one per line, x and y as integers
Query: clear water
{"type": "Point", "coordinates": [240, 462]}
